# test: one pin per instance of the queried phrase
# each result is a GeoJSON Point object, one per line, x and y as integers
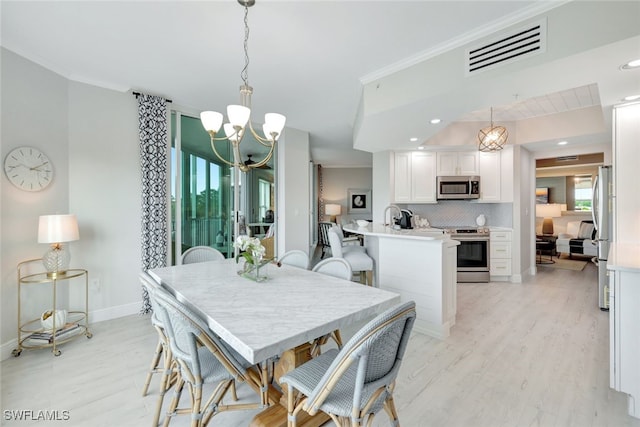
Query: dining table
{"type": "Point", "coordinates": [274, 319]}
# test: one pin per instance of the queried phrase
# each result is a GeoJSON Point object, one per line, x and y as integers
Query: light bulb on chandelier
{"type": "Point", "coordinates": [492, 138]}
{"type": "Point", "coordinates": [240, 116]}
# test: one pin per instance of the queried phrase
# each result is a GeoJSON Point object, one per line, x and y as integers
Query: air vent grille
{"type": "Point", "coordinates": [566, 158]}
{"type": "Point", "coordinates": [507, 48]}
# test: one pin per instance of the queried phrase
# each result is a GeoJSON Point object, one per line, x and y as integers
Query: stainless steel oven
{"type": "Point", "coordinates": [473, 254]}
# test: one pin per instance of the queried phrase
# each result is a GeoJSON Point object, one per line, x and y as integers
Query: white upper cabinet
{"type": "Point", "coordinates": [490, 174]}
{"type": "Point", "coordinates": [423, 177]}
{"type": "Point", "coordinates": [414, 177]}
{"type": "Point", "coordinates": [457, 163]}
{"type": "Point", "coordinates": [402, 178]}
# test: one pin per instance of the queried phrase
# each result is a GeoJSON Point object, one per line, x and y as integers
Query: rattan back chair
{"type": "Point", "coordinates": [296, 258]}
{"type": "Point", "coordinates": [203, 358]}
{"type": "Point", "coordinates": [162, 360]}
{"type": "Point", "coordinates": [352, 385]}
{"type": "Point", "coordinates": [201, 254]}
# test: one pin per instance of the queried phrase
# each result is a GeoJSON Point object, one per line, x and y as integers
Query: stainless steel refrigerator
{"type": "Point", "coordinates": [602, 211]}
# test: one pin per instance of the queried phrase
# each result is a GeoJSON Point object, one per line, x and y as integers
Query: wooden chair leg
{"type": "Point", "coordinates": [153, 368]}
{"type": "Point", "coordinates": [370, 277]}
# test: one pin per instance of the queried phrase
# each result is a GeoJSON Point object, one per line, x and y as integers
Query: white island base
{"type": "Point", "coordinates": [419, 266]}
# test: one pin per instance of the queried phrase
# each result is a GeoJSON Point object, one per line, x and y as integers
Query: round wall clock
{"type": "Point", "coordinates": [28, 168]}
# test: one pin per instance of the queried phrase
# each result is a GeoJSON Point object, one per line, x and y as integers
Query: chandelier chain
{"type": "Point", "coordinates": [244, 75]}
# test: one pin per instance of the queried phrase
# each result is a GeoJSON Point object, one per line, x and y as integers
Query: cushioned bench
{"type": "Point", "coordinates": [578, 239]}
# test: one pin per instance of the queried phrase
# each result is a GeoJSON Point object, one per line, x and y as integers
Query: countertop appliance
{"type": "Point", "coordinates": [602, 206]}
{"type": "Point", "coordinates": [473, 253]}
{"type": "Point", "coordinates": [405, 220]}
{"type": "Point", "coordinates": [458, 187]}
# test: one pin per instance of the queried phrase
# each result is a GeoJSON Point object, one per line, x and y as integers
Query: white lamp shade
{"type": "Point", "coordinates": [563, 207]}
{"type": "Point", "coordinates": [275, 122]}
{"type": "Point", "coordinates": [332, 209]}
{"type": "Point", "coordinates": [230, 132]}
{"type": "Point", "coordinates": [211, 120]}
{"type": "Point", "coordinates": [238, 115]}
{"type": "Point", "coordinates": [552, 210]}
{"type": "Point", "coordinates": [58, 228]}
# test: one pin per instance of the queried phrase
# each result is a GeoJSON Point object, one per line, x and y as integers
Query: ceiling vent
{"type": "Point", "coordinates": [506, 48]}
{"type": "Point", "coordinates": [566, 158]}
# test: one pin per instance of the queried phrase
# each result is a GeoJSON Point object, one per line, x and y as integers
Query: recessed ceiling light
{"type": "Point", "coordinates": [563, 142]}
{"type": "Point", "coordinates": [435, 121]}
{"type": "Point", "coordinates": [421, 148]}
{"type": "Point", "coordinates": [631, 98]}
{"type": "Point", "coordinates": [414, 139]}
{"type": "Point", "coordinates": [631, 64]}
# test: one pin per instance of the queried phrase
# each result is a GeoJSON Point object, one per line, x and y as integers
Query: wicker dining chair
{"type": "Point", "coordinates": [352, 385]}
{"type": "Point", "coordinates": [162, 360]}
{"type": "Point", "coordinates": [336, 267]}
{"type": "Point", "coordinates": [296, 258]}
{"type": "Point", "coordinates": [201, 254]}
{"type": "Point", "coordinates": [203, 358]}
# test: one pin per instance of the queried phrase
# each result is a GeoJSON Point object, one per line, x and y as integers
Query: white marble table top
{"type": "Point", "coordinates": [261, 320]}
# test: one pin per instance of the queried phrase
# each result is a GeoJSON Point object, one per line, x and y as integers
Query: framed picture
{"type": "Point", "coordinates": [358, 200]}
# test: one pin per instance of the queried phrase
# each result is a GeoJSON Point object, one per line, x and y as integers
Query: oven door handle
{"type": "Point", "coordinates": [473, 239]}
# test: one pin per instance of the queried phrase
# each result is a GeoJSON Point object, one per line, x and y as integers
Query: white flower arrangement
{"type": "Point", "coordinates": [250, 249]}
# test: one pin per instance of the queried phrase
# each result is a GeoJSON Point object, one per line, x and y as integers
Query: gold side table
{"type": "Point", "coordinates": [30, 329]}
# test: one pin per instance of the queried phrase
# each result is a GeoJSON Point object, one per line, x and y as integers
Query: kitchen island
{"type": "Point", "coordinates": [420, 265]}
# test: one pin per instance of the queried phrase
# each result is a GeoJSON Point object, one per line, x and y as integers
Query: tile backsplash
{"type": "Point", "coordinates": [464, 213]}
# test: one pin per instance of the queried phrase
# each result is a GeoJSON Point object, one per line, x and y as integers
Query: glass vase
{"type": "Point", "coordinates": [253, 272]}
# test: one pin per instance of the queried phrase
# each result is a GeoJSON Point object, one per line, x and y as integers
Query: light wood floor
{"type": "Point", "coordinates": [531, 354]}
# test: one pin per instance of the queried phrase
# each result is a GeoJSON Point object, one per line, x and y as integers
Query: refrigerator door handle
{"type": "Point", "coordinates": [594, 203]}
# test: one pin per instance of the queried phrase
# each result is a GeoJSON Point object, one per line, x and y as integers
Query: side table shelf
{"type": "Point", "coordinates": [31, 334]}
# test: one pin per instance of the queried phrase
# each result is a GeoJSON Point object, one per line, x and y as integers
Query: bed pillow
{"type": "Point", "coordinates": [586, 230]}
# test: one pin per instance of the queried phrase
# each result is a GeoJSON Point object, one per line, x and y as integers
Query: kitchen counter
{"type": "Point", "coordinates": [380, 230]}
{"type": "Point", "coordinates": [624, 257]}
{"type": "Point", "coordinates": [420, 265]}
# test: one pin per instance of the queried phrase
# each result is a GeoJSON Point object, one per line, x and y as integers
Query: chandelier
{"type": "Point", "coordinates": [492, 138]}
{"type": "Point", "coordinates": [239, 116]}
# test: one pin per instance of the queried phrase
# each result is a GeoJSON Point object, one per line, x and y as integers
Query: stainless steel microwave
{"type": "Point", "coordinates": [458, 187]}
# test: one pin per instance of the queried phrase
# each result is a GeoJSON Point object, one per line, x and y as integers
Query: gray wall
{"type": "Point", "coordinates": [336, 183]}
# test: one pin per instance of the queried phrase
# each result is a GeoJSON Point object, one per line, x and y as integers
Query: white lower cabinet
{"type": "Point", "coordinates": [624, 336]}
{"type": "Point", "coordinates": [500, 253]}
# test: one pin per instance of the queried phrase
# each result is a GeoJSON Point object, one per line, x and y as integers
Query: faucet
{"type": "Point", "coordinates": [390, 209]}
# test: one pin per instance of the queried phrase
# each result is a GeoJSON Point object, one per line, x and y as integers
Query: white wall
{"type": "Point", "coordinates": [337, 181]}
{"type": "Point", "coordinates": [34, 113]}
{"type": "Point", "coordinates": [293, 212]}
{"type": "Point", "coordinates": [104, 192]}
{"type": "Point", "coordinates": [90, 135]}
{"type": "Point", "coordinates": [381, 186]}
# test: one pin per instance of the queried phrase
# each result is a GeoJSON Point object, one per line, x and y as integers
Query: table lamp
{"type": "Point", "coordinates": [57, 229]}
{"type": "Point", "coordinates": [332, 210]}
{"type": "Point", "coordinates": [548, 212]}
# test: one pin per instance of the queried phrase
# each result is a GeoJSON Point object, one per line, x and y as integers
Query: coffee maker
{"type": "Point", "coordinates": [406, 219]}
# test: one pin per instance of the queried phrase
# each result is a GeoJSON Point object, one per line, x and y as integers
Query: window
{"type": "Point", "coordinates": [264, 198]}
{"type": "Point", "coordinates": [583, 193]}
{"type": "Point", "coordinates": [201, 194]}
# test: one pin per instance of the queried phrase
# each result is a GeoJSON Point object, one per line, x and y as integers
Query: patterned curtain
{"type": "Point", "coordinates": [152, 123]}
{"type": "Point", "coordinates": [320, 195]}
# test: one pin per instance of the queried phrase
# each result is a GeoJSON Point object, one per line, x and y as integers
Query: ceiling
{"type": "Point", "coordinates": [317, 61]}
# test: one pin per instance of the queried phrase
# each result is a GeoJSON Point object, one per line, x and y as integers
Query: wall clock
{"type": "Point", "coordinates": [28, 168]}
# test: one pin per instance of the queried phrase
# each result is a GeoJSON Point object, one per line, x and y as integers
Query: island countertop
{"type": "Point", "coordinates": [379, 230]}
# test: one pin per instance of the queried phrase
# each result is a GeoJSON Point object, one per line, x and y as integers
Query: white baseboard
{"type": "Point", "coordinates": [94, 317]}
